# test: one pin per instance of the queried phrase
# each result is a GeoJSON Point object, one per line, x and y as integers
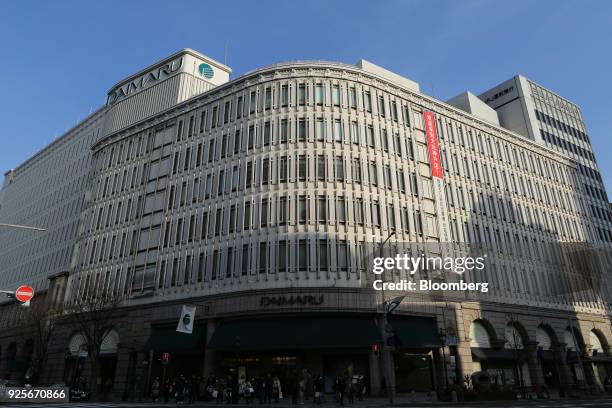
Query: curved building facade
{"type": "Point", "coordinates": [261, 201]}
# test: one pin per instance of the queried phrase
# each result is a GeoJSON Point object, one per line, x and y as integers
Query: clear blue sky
{"type": "Point", "coordinates": [58, 58]}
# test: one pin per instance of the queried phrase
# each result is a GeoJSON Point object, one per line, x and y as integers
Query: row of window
{"type": "Point", "coordinates": [589, 172]}
{"type": "Point", "coordinates": [270, 97]}
{"type": "Point", "coordinates": [559, 125]}
{"type": "Point", "coordinates": [501, 151]}
{"type": "Point", "coordinates": [567, 146]}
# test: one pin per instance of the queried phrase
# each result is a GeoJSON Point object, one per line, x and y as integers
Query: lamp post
{"type": "Point", "coordinates": [236, 385]}
{"type": "Point", "coordinates": [387, 330]}
{"type": "Point", "coordinates": [22, 227]}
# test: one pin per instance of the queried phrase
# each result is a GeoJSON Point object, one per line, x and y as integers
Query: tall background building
{"type": "Point", "coordinates": [541, 115]}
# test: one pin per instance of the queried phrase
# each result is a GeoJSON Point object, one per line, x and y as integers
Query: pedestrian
{"type": "Point", "coordinates": [268, 389]}
{"type": "Point", "coordinates": [155, 390]}
{"type": "Point", "coordinates": [220, 390]}
{"type": "Point", "coordinates": [276, 389]}
{"type": "Point", "coordinates": [349, 385]}
{"type": "Point", "coordinates": [168, 390]}
{"type": "Point", "coordinates": [293, 387]}
{"type": "Point", "coordinates": [319, 385]}
{"type": "Point", "coordinates": [361, 390]}
{"type": "Point", "coordinates": [194, 388]}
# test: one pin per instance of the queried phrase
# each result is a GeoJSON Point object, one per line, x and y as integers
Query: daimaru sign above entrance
{"type": "Point", "coordinates": [185, 61]}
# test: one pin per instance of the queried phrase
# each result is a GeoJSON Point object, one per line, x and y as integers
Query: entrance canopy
{"type": "Point", "coordinates": [416, 332]}
{"type": "Point", "coordinates": [295, 332]}
{"type": "Point", "coordinates": [166, 339]}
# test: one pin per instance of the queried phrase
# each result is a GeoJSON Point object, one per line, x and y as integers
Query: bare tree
{"type": "Point", "coordinates": [93, 318]}
{"type": "Point", "coordinates": [42, 316]}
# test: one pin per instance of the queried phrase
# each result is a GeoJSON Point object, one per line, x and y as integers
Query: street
{"type": "Point", "coordinates": [592, 402]}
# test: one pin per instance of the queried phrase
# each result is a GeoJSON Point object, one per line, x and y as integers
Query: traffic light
{"type": "Point", "coordinates": [376, 349]}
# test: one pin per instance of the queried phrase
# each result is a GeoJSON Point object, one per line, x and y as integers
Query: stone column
{"type": "Point", "coordinates": [439, 362]}
{"type": "Point", "coordinates": [209, 355]}
{"type": "Point", "coordinates": [563, 369]}
{"type": "Point", "coordinates": [465, 364]}
{"type": "Point", "coordinates": [374, 373]}
{"type": "Point", "coordinates": [535, 368]}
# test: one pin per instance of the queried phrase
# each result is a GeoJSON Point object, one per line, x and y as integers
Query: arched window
{"type": "Point", "coordinates": [571, 342]}
{"type": "Point", "coordinates": [479, 335]}
{"type": "Point", "coordinates": [514, 340]}
{"type": "Point", "coordinates": [543, 339]}
{"type": "Point", "coordinates": [77, 342]}
{"type": "Point", "coordinates": [110, 343]}
{"type": "Point", "coordinates": [596, 345]}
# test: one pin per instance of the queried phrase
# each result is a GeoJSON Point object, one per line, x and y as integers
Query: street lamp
{"type": "Point", "coordinates": [22, 227]}
{"type": "Point", "coordinates": [387, 348]}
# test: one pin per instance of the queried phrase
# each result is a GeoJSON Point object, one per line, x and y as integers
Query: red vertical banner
{"type": "Point", "coordinates": [432, 143]}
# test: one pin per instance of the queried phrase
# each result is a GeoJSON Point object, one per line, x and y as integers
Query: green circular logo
{"type": "Point", "coordinates": [206, 71]}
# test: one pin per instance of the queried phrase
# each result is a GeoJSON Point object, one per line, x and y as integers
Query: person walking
{"type": "Point", "coordinates": [268, 389]}
{"type": "Point", "coordinates": [319, 385]}
{"type": "Point", "coordinates": [155, 388]}
{"type": "Point", "coordinates": [339, 390]}
{"type": "Point", "coordinates": [276, 389]}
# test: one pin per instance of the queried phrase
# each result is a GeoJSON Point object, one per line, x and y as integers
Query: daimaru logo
{"type": "Point", "coordinates": [206, 71]}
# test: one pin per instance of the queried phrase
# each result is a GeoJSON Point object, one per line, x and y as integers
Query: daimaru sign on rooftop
{"type": "Point", "coordinates": [185, 61]}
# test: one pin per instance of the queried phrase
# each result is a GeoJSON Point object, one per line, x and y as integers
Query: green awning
{"type": "Point", "coordinates": [481, 354]}
{"type": "Point", "coordinates": [416, 332]}
{"type": "Point", "coordinates": [296, 332]}
{"type": "Point", "coordinates": [165, 339]}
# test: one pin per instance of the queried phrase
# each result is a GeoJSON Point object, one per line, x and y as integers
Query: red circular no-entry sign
{"type": "Point", "coordinates": [24, 293]}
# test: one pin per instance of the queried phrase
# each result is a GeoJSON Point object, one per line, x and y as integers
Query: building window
{"type": "Point", "coordinates": [283, 169]}
{"type": "Point", "coordinates": [284, 130]}
{"type": "Point", "coordinates": [284, 95]}
{"type": "Point", "coordinates": [282, 256]}
{"type": "Point", "coordinates": [263, 257]}
{"type": "Point", "coordinates": [319, 95]}
{"type": "Point", "coordinates": [247, 216]}
{"type": "Point", "coordinates": [265, 171]}
{"type": "Point", "coordinates": [264, 213]}
{"type": "Point", "coordinates": [320, 130]}
{"type": "Point", "coordinates": [302, 94]}
{"type": "Point", "coordinates": [336, 95]}
{"type": "Point", "coordinates": [302, 130]}
{"type": "Point", "coordinates": [323, 258]}
{"type": "Point", "coordinates": [302, 255]}
{"type": "Point", "coordinates": [282, 211]}
{"type": "Point", "coordinates": [322, 209]}
{"type": "Point", "coordinates": [339, 167]}
{"type": "Point", "coordinates": [352, 98]}
{"type": "Point", "coordinates": [302, 168]}
{"type": "Point", "coordinates": [245, 260]}
{"type": "Point", "coordinates": [356, 171]}
{"type": "Point", "coordinates": [367, 101]}
{"type": "Point", "coordinates": [341, 210]}
{"type": "Point", "coordinates": [268, 99]}
{"type": "Point", "coordinates": [302, 210]}
{"type": "Point", "coordinates": [338, 136]}
{"type": "Point", "coordinates": [354, 130]}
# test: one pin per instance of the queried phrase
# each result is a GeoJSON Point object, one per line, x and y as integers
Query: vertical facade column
{"type": "Point", "coordinates": [535, 368]}
{"type": "Point", "coordinates": [209, 355]}
{"type": "Point", "coordinates": [563, 369]}
{"type": "Point", "coordinates": [465, 364]}
{"type": "Point", "coordinates": [439, 363]}
{"type": "Point", "coordinates": [374, 374]}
